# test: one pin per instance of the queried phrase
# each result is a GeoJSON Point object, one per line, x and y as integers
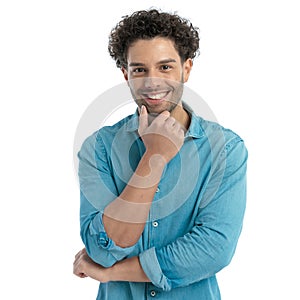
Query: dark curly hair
{"type": "Point", "coordinates": [147, 24]}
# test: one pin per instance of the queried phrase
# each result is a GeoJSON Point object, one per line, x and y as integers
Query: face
{"type": "Point", "coordinates": [155, 74]}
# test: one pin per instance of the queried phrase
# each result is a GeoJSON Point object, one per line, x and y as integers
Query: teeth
{"type": "Point", "coordinates": [157, 96]}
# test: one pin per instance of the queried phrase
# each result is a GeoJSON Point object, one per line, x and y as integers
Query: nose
{"type": "Point", "coordinates": [152, 81]}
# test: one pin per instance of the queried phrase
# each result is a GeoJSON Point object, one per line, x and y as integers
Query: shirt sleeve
{"type": "Point", "coordinates": [97, 190]}
{"type": "Point", "coordinates": [211, 243]}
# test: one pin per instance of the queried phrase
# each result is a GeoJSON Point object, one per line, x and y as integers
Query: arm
{"type": "Point", "coordinates": [211, 243]}
{"type": "Point", "coordinates": [124, 218]}
{"type": "Point", "coordinates": [126, 270]}
{"type": "Point", "coordinates": [200, 253]}
{"type": "Point", "coordinates": [111, 236]}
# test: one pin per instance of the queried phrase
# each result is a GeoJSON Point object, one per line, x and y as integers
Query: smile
{"type": "Point", "coordinates": [156, 96]}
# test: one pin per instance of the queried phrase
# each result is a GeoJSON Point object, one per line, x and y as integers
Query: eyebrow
{"type": "Point", "coordinates": [164, 61]}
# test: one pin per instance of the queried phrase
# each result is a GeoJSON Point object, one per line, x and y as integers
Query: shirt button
{"type": "Point", "coordinates": [155, 224]}
{"type": "Point", "coordinates": [152, 293]}
{"type": "Point", "coordinates": [157, 190]}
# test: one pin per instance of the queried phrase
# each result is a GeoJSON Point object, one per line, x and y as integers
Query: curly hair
{"type": "Point", "coordinates": [149, 24]}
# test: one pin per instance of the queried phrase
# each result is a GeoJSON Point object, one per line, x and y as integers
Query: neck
{"type": "Point", "coordinates": [180, 115]}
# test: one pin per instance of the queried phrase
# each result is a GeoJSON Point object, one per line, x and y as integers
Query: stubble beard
{"type": "Point", "coordinates": [177, 91]}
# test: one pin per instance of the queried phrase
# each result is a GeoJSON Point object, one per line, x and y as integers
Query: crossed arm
{"type": "Point", "coordinates": [126, 270]}
{"type": "Point", "coordinates": [212, 240]}
{"type": "Point", "coordinates": [162, 138]}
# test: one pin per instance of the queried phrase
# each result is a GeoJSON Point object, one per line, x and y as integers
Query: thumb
{"type": "Point", "coordinates": [143, 119]}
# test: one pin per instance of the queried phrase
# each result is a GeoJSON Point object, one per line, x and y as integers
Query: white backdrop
{"type": "Point", "coordinates": [54, 63]}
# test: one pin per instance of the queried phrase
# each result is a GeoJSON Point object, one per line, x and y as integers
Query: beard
{"type": "Point", "coordinates": [174, 91]}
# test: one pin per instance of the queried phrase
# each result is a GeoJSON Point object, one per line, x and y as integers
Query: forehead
{"type": "Point", "coordinates": [156, 49]}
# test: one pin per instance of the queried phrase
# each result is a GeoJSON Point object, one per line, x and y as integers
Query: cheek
{"type": "Point", "coordinates": [135, 84]}
{"type": "Point", "coordinates": [179, 76]}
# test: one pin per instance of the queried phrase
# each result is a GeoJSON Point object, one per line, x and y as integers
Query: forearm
{"type": "Point", "coordinates": [210, 245]}
{"type": "Point", "coordinates": [128, 270]}
{"type": "Point", "coordinates": [124, 218]}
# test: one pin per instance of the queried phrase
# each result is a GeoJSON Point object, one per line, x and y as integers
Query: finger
{"type": "Point", "coordinates": [177, 126]}
{"type": "Point", "coordinates": [165, 113]}
{"type": "Point", "coordinates": [78, 270]}
{"type": "Point", "coordinates": [143, 119]}
{"type": "Point", "coordinates": [80, 274]}
{"type": "Point", "coordinates": [171, 121]}
{"type": "Point", "coordinates": [79, 253]}
{"type": "Point", "coordinates": [75, 263]}
{"type": "Point", "coordinates": [163, 116]}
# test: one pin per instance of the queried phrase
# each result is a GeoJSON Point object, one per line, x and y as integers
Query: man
{"type": "Point", "coordinates": [163, 191]}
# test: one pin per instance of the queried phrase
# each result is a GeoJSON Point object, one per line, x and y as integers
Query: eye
{"type": "Point", "coordinates": [138, 70]}
{"type": "Point", "coordinates": [165, 68]}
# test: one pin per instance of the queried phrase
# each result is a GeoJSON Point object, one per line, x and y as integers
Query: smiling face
{"type": "Point", "coordinates": [156, 74]}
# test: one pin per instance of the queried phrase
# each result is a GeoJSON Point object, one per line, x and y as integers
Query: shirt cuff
{"type": "Point", "coordinates": [152, 269]}
{"type": "Point", "coordinates": [104, 242]}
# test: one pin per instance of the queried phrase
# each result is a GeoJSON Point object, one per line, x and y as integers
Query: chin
{"type": "Point", "coordinates": [158, 108]}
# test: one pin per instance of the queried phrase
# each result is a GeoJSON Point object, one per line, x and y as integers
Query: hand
{"type": "Point", "coordinates": [164, 137]}
{"type": "Point", "coordinates": [83, 267]}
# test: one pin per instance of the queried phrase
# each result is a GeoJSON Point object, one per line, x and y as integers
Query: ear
{"type": "Point", "coordinates": [187, 67]}
{"type": "Point", "coordinates": [125, 73]}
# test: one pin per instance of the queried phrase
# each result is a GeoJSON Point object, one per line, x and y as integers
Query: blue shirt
{"type": "Point", "coordinates": [195, 219]}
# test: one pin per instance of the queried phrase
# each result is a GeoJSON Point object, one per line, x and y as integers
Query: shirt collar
{"type": "Point", "coordinates": [195, 129]}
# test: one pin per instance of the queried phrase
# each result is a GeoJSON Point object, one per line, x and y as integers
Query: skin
{"type": "Point", "coordinates": [155, 76]}
{"type": "Point", "coordinates": [155, 67]}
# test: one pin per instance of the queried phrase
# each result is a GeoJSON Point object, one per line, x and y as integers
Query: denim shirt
{"type": "Point", "coordinates": [195, 218]}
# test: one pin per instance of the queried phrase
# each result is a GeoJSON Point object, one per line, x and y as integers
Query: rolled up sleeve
{"type": "Point", "coordinates": [99, 246]}
{"type": "Point", "coordinates": [97, 190]}
{"type": "Point", "coordinates": [211, 243]}
{"type": "Point", "coordinates": [151, 267]}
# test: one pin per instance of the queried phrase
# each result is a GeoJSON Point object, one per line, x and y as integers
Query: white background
{"type": "Point", "coordinates": [54, 63]}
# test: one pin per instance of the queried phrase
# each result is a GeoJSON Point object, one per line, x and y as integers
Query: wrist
{"type": "Point", "coordinates": [149, 171]}
{"type": "Point", "coordinates": [155, 163]}
{"type": "Point", "coordinates": [113, 273]}
{"type": "Point", "coordinates": [103, 274]}
{"type": "Point", "coordinates": [128, 269]}
{"type": "Point", "coordinates": [155, 160]}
